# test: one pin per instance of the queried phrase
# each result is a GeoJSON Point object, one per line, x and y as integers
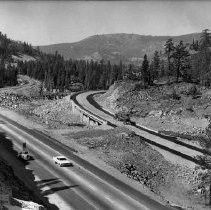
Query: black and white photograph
{"type": "Point", "coordinates": [105, 105]}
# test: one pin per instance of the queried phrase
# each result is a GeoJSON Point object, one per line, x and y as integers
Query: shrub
{"type": "Point", "coordinates": [175, 96]}
{"type": "Point", "coordinates": [139, 86]}
{"type": "Point", "coordinates": [194, 92]}
{"type": "Point", "coordinates": [122, 116]}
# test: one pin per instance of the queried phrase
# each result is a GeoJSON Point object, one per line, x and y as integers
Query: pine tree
{"type": "Point", "coordinates": [205, 39]}
{"type": "Point", "coordinates": [156, 64]}
{"type": "Point", "coordinates": [113, 75]}
{"type": "Point", "coordinates": [129, 72]}
{"type": "Point", "coordinates": [162, 68]}
{"type": "Point", "coordinates": [195, 45]}
{"type": "Point", "coordinates": [120, 71]}
{"type": "Point", "coordinates": [204, 57]}
{"type": "Point", "coordinates": [145, 71]}
{"type": "Point", "coordinates": [2, 73]}
{"type": "Point", "coordinates": [179, 55]}
{"type": "Point", "coordinates": [169, 49]}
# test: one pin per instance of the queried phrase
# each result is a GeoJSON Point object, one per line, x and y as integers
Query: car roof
{"type": "Point", "coordinates": [61, 157]}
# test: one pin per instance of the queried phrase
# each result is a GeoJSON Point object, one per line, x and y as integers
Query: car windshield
{"type": "Point", "coordinates": [62, 159]}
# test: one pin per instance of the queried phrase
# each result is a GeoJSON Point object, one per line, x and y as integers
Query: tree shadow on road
{"type": "Point", "coordinates": [56, 189]}
{"type": "Point", "coordinates": [46, 180]}
{"type": "Point", "coordinates": [20, 179]}
{"type": "Point", "coordinates": [48, 183]}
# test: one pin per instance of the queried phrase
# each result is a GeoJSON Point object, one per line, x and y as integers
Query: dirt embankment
{"type": "Point", "coordinates": [54, 113]}
{"type": "Point", "coordinates": [128, 153]}
{"type": "Point", "coordinates": [181, 108]}
{"type": "Point", "coordinates": [119, 148]}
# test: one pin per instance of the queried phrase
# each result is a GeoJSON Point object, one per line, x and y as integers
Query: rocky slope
{"type": "Point", "coordinates": [181, 108]}
{"type": "Point", "coordinates": [175, 184]}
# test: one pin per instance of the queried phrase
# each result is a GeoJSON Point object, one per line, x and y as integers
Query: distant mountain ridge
{"type": "Point", "coordinates": [130, 48]}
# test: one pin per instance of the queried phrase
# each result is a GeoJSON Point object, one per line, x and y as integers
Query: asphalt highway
{"type": "Point", "coordinates": [82, 186]}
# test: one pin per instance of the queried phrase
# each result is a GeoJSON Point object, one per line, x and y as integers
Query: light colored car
{"type": "Point", "coordinates": [62, 161]}
{"type": "Point", "coordinates": [24, 155]}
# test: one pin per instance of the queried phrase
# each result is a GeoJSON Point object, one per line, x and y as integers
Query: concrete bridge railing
{"type": "Point", "coordinates": [87, 116]}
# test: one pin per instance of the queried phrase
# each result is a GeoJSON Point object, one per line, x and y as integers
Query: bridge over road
{"type": "Point", "coordinates": [85, 115]}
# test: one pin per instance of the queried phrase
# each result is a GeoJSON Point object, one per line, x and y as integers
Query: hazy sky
{"type": "Point", "coordinates": [48, 22]}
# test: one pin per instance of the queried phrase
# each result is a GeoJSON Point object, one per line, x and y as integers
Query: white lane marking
{"type": "Point", "coordinates": [96, 190]}
{"type": "Point", "coordinates": [21, 139]}
{"type": "Point", "coordinates": [53, 198]}
{"type": "Point", "coordinates": [67, 173]}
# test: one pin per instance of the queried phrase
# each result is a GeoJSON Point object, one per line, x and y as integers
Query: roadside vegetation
{"type": "Point", "coordinates": [189, 62]}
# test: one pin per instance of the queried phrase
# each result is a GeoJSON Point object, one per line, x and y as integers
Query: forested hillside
{"type": "Point", "coordinates": [189, 62]}
{"type": "Point", "coordinates": [128, 48]}
{"type": "Point", "coordinates": [52, 69]}
{"type": "Point", "coordinates": [10, 49]}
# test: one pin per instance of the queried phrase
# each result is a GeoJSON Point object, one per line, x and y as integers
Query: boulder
{"type": "Point", "coordinates": [155, 113]}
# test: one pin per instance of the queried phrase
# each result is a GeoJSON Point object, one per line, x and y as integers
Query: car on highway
{"type": "Point", "coordinates": [24, 155]}
{"type": "Point", "coordinates": [62, 161]}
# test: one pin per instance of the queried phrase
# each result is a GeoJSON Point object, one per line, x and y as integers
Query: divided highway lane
{"type": "Point", "coordinates": [82, 189]}
{"type": "Point", "coordinates": [42, 182]}
{"type": "Point", "coordinates": [68, 191]}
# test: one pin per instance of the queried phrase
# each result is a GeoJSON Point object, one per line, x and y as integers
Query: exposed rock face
{"type": "Point", "coordinates": [179, 107]}
{"type": "Point", "coordinates": [57, 112]}
{"type": "Point", "coordinates": [155, 113]}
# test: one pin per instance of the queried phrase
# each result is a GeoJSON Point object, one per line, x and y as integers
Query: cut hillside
{"type": "Point", "coordinates": [53, 110]}
{"type": "Point", "coordinates": [180, 108]}
{"type": "Point", "coordinates": [55, 113]}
